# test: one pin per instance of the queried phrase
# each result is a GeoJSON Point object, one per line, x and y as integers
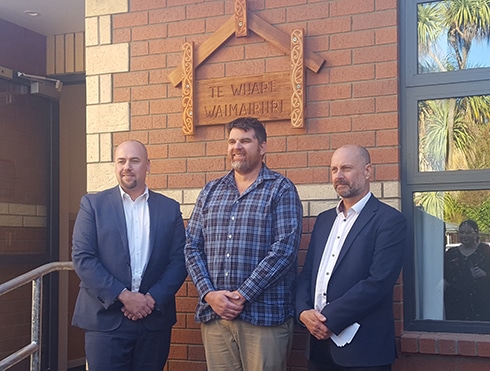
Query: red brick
{"type": "Point", "coordinates": [169, 166]}
{"type": "Point", "coordinates": [286, 160]}
{"type": "Point", "coordinates": [387, 104]}
{"type": "Point", "coordinates": [187, 150]}
{"type": "Point", "coordinates": [205, 164]}
{"type": "Point", "coordinates": [386, 4]}
{"type": "Point", "coordinates": [365, 139]}
{"type": "Point", "coordinates": [352, 107]}
{"type": "Point", "coordinates": [319, 159]}
{"type": "Point", "coordinates": [154, 31]}
{"type": "Point", "coordinates": [329, 26]}
{"type": "Point", "coordinates": [483, 348]}
{"type": "Point", "coordinates": [166, 15]}
{"type": "Point", "coordinates": [345, 7]}
{"type": "Point", "coordinates": [446, 344]}
{"type": "Point", "coordinates": [388, 35]}
{"type": "Point", "coordinates": [427, 344]}
{"type": "Point", "coordinates": [338, 58]}
{"type": "Point", "coordinates": [178, 351]}
{"type": "Point", "coordinates": [409, 342]}
{"type": "Point", "coordinates": [307, 12]}
{"type": "Point", "coordinates": [122, 35]}
{"type": "Point", "coordinates": [375, 122]}
{"type": "Point", "coordinates": [386, 70]}
{"type": "Point", "coordinates": [330, 92]}
{"type": "Point", "coordinates": [378, 53]}
{"type": "Point", "coordinates": [352, 40]}
{"type": "Point", "coordinates": [210, 71]}
{"type": "Point", "coordinates": [166, 106]}
{"type": "Point", "coordinates": [374, 88]}
{"type": "Point", "coordinates": [141, 122]}
{"type": "Point", "coordinates": [196, 26]}
{"type": "Point", "coordinates": [205, 10]}
{"type": "Point", "coordinates": [384, 155]}
{"type": "Point", "coordinates": [317, 109]}
{"type": "Point", "coordinates": [121, 95]}
{"type": "Point", "coordinates": [186, 181]}
{"type": "Point", "coordinates": [148, 92]}
{"type": "Point", "coordinates": [278, 64]}
{"type": "Point", "coordinates": [130, 79]}
{"type": "Point", "coordinates": [387, 172]}
{"type": "Point", "coordinates": [467, 347]}
{"type": "Point", "coordinates": [378, 19]}
{"type": "Point", "coordinates": [196, 353]}
{"type": "Point", "coordinates": [166, 136]}
{"type": "Point", "coordinates": [131, 19]}
{"type": "Point", "coordinates": [140, 108]}
{"type": "Point", "coordinates": [145, 4]}
{"type": "Point", "coordinates": [174, 365]}
{"type": "Point", "coordinates": [160, 46]}
{"type": "Point", "coordinates": [387, 138]}
{"type": "Point", "coordinates": [308, 143]}
{"type": "Point", "coordinates": [276, 144]}
{"type": "Point", "coordinates": [138, 48]}
{"type": "Point", "coordinates": [329, 125]}
{"type": "Point", "coordinates": [148, 62]}
{"type": "Point", "coordinates": [308, 176]}
{"type": "Point", "coordinates": [352, 73]}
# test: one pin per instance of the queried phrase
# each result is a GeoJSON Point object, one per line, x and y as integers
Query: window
{"type": "Point", "coordinates": [445, 137]}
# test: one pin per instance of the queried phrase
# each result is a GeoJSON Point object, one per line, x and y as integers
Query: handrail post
{"type": "Point", "coordinates": [36, 328]}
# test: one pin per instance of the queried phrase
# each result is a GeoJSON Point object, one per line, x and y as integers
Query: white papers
{"type": "Point", "coordinates": [346, 336]}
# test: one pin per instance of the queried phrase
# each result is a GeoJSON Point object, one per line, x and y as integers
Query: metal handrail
{"type": "Point", "coordinates": [34, 348]}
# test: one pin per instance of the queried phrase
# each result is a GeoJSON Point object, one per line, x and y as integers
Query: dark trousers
{"type": "Point", "coordinates": [321, 359]}
{"type": "Point", "coordinates": [131, 347]}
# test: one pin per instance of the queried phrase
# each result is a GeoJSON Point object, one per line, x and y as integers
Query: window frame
{"type": "Point", "coordinates": [415, 87]}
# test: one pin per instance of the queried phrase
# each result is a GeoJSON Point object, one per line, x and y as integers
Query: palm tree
{"type": "Point", "coordinates": [463, 22]}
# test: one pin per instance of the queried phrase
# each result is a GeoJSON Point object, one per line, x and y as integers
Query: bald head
{"type": "Point", "coordinates": [351, 169]}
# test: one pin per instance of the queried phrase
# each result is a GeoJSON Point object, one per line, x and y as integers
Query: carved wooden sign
{"type": "Point", "coordinates": [268, 97]}
{"type": "Point", "coordinates": [265, 97]}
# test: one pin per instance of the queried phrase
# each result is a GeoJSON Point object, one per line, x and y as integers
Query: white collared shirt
{"type": "Point", "coordinates": [340, 229]}
{"type": "Point", "coordinates": [138, 227]}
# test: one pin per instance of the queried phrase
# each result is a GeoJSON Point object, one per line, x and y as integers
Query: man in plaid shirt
{"type": "Point", "coordinates": [241, 253]}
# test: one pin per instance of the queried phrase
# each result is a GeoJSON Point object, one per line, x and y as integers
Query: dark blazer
{"type": "Point", "coordinates": [361, 286]}
{"type": "Point", "coordinates": [102, 261]}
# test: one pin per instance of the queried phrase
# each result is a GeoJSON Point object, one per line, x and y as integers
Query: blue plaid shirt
{"type": "Point", "coordinates": [246, 242]}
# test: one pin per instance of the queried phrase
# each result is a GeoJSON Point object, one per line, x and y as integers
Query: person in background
{"type": "Point", "coordinates": [344, 293]}
{"type": "Point", "coordinates": [467, 276]}
{"type": "Point", "coordinates": [128, 252]}
{"type": "Point", "coordinates": [241, 253]}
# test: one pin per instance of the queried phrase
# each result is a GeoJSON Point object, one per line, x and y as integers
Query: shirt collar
{"type": "Point", "coordinates": [124, 195]}
{"type": "Point", "coordinates": [357, 207]}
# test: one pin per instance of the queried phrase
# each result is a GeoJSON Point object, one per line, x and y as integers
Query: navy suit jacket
{"type": "Point", "coordinates": [361, 285]}
{"type": "Point", "coordinates": [102, 261]}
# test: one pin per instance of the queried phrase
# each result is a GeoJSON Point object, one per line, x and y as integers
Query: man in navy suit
{"type": "Point", "coordinates": [128, 252]}
{"type": "Point", "coordinates": [344, 292]}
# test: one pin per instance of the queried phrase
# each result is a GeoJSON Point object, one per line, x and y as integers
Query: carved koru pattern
{"type": "Point", "coordinates": [297, 79]}
{"type": "Point", "coordinates": [241, 27]}
{"type": "Point", "coordinates": [188, 88]}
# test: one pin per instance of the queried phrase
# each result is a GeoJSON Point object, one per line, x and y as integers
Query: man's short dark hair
{"type": "Point", "coordinates": [247, 123]}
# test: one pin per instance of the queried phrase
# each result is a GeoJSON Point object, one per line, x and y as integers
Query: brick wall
{"type": "Point", "coordinates": [352, 99]}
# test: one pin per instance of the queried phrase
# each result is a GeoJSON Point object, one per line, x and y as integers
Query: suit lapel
{"type": "Point", "coordinates": [153, 213]}
{"type": "Point", "coordinates": [364, 217]}
{"type": "Point", "coordinates": [118, 208]}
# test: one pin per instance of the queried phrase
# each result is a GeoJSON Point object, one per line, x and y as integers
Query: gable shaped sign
{"type": "Point", "coordinates": [268, 97]}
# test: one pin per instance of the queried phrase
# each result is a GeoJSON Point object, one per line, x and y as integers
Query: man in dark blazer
{"type": "Point", "coordinates": [344, 293]}
{"type": "Point", "coordinates": [128, 252]}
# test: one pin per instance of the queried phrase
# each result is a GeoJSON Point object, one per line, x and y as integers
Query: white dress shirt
{"type": "Point", "coordinates": [138, 227]}
{"type": "Point", "coordinates": [340, 229]}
